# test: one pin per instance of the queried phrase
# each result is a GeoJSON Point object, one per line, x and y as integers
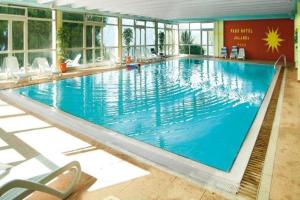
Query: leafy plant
{"type": "Point", "coordinates": [63, 40]}
{"type": "Point", "coordinates": [186, 37]}
{"type": "Point", "coordinates": [161, 40]}
{"type": "Point", "coordinates": [128, 37]}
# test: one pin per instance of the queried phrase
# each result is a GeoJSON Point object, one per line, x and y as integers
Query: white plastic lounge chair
{"type": "Point", "coordinates": [113, 60]}
{"type": "Point", "coordinates": [223, 52]}
{"type": "Point", "coordinates": [140, 58]}
{"type": "Point", "coordinates": [234, 52]}
{"type": "Point", "coordinates": [13, 70]}
{"type": "Point", "coordinates": [17, 182]}
{"type": "Point", "coordinates": [44, 67]}
{"type": "Point", "coordinates": [75, 62]}
{"type": "Point", "coordinates": [241, 54]}
{"type": "Point", "coordinates": [152, 56]}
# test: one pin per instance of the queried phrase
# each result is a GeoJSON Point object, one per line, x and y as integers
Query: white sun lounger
{"type": "Point", "coordinates": [241, 54]}
{"type": "Point", "coordinates": [223, 52]}
{"type": "Point", "coordinates": [44, 67]}
{"type": "Point", "coordinates": [17, 182]}
{"type": "Point", "coordinates": [75, 62]}
{"type": "Point", "coordinates": [234, 52]}
{"type": "Point", "coordinates": [13, 70]}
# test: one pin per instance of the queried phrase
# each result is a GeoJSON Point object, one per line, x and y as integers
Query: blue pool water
{"type": "Point", "coordinates": [198, 109]}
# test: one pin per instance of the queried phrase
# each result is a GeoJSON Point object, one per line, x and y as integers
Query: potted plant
{"type": "Point", "coordinates": [128, 37]}
{"type": "Point", "coordinates": [63, 39]}
{"type": "Point", "coordinates": [161, 40]}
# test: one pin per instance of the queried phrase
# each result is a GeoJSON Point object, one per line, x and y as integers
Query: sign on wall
{"type": "Point", "coordinates": [262, 39]}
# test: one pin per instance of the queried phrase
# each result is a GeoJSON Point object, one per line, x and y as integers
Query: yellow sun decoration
{"type": "Point", "coordinates": [273, 40]}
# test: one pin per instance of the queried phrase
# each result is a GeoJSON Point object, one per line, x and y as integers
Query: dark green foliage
{"type": "Point", "coordinates": [3, 35]}
{"type": "Point", "coordinates": [76, 34]}
{"type": "Point", "coordinates": [39, 34]}
{"type": "Point", "coordinates": [161, 40]}
{"type": "Point", "coordinates": [12, 11]}
{"type": "Point", "coordinates": [39, 13]}
{"type": "Point", "coordinates": [72, 16]}
{"type": "Point", "coordinates": [196, 50]}
{"type": "Point", "coordinates": [186, 37]}
{"type": "Point", "coordinates": [63, 40]}
{"type": "Point", "coordinates": [128, 37]}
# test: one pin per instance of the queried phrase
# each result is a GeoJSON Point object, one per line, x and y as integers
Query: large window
{"type": "Point", "coordinates": [150, 37]}
{"type": "Point", "coordinates": [110, 38]}
{"type": "Point", "coordinates": [40, 24]}
{"type": "Point", "coordinates": [73, 22]}
{"type": "Point", "coordinates": [128, 23]}
{"type": "Point", "coordinates": [26, 35]}
{"type": "Point", "coordinates": [196, 38]}
{"type": "Point", "coordinates": [12, 35]}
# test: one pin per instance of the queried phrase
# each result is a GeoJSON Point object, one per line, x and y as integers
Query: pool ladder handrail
{"type": "Point", "coordinates": [284, 60]}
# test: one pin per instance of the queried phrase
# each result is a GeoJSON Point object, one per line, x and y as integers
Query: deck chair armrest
{"type": "Point", "coordinates": [68, 61]}
{"type": "Point", "coordinates": [33, 186]}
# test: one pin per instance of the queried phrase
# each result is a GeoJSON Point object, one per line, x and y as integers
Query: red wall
{"type": "Point", "coordinates": [250, 34]}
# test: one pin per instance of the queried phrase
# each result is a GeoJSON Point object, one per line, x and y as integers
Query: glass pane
{"type": "Point", "coordinates": [196, 50]}
{"type": "Point", "coordinates": [140, 23]}
{"type": "Point", "coordinates": [98, 37]}
{"type": "Point", "coordinates": [17, 35]}
{"type": "Point", "coordinates": [12, 10]}
{"type": "Point", "coordinates": [195, 37]}
{"type": "Point", "coordinates": [20, 57]}
{"type": "Point", "coordinates": [132, 42]}
{"type": "Point", "coordinates": [150, 36]}
{"type": "Point", "coordinates": [176, 37]}
{"type": "Point", "coordinates": [98, 55]}
{"type": "Point", "coordinates": [211, 50]}
{"type": "Point", "coordinates": [142, 36]}
{"type": "Point", "coordinates": [149, 24]}
{"type": "Point", "coordinates": [39, 34]}
{"type": "Point", "coordinates": [137, 36]}
{"type": "Point", "coordinates": [184, 26]}
{"type": "Point", "coordinates": [210, 38]}
{"type": "Point", "coordinates": [185, 37]}
{"type": "Point", "coordinates": [76, 34]}
{"type": "Point", "coordinates": [204, 37]}
{"type": "Point", "coordinates": [111, 20]}
{"type": "Point", "coordinates": [161, 25]}
{"type": "Point", "coordinates": [195, 26]}
{"type": "Point", "coordinates": [205, 50]}
{"type": "Point", "coordinates": [94, 18]}
{"type": "Point", "coordinates": [2, 56]}
{"type": "Point", "coordinates": [46, 54]}
{"type": "Point", "coordinates": [109, 52]}
{"type": "Point", "coordinates": [127, 22]}
{"type": "Point", "coordinates": [169, 26]}
{"type": "Point", "coordinates": [3, 36]}
{"type": "Point", "coordinates": [208, 25]}
{"type": "Point", "coordinates": [39, 13]}
{"type": "Point", "coordinates": [71, 54]}
{"type": "Point", "coordinates": [110, 36]}
{"type": "Point", "coordinates": [89, 55]}
{"type": "Point", "coordinates": [184, 49]}
{"type": "Point", "coordinates": [72, 16]}
{"type": "Point", "coordinates": [89, 36]}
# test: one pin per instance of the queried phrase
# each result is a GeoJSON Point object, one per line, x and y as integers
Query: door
{"type": "Point", "coordinates": [94, 50]}
{"type": "Point", "coordinates": [208, 42]}
{"type": "Point", "coordinates": [140, 44]}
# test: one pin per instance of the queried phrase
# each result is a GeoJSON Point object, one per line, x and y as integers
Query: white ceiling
{"type": "Point", "coordinates": [183, 9]}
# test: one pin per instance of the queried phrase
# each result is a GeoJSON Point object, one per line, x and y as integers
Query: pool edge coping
{"type": "Point", "coordinates": [208, 176]}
